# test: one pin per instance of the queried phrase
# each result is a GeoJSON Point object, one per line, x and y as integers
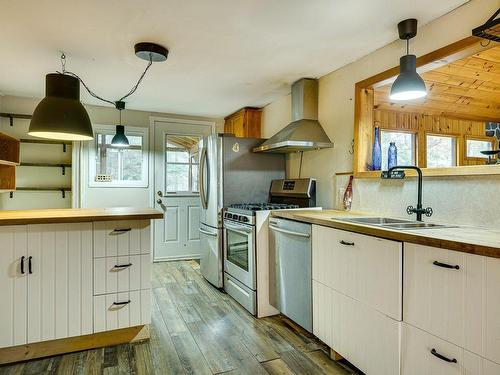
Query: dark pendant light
{"type": "Point", "coordinates": [409, 85]}
{"type": "Point", "coordinates": [120, 139]}
{"type": "Point", "coordinates": [61, 115]}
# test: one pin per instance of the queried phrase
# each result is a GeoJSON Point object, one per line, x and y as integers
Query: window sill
{"type": "Point", "coordinates": [472, 170]}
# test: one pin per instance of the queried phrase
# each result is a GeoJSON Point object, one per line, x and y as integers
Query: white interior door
{"type": "Point", "coordinates": [176, 188]}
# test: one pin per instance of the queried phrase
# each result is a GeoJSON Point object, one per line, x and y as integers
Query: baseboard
{"type": "Point", "coordinates": [175, 258]}
{"type": "Point", "coordinates": [73, 344]}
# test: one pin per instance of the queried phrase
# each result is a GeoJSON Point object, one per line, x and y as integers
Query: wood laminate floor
{"type": "Point", "coordinates": [196, 329]}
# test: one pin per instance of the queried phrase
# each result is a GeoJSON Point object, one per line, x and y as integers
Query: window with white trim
{"type": "Point", "coordinates": [181, 163]}
{"type": "Point", "coordinates": [111, 166]}
{"type": "Point", "coordinates": [441, 151]}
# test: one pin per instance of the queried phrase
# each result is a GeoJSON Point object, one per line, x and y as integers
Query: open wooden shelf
{"type": "Point", "coordinates": [7, 177]}
{"type": "Point", "coordinates": [58, 165]}
{"type": "Point", "coordinates": [466, 170]}
{"type": "Point", "coordinates": [9, 150]}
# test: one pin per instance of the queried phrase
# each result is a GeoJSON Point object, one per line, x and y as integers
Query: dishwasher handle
{"type": "Point", "coordinates": [292, 233]}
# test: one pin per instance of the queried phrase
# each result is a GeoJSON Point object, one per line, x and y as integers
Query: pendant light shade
{"type": "Point", "coordinates": [61, 115]}
{"type": "Point", "coordinates": [409, 85]}
{"type": "Point", "coordinates": [120, 139]}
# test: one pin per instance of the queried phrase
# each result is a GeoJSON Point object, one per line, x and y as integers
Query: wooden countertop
{"type": "Point", "coordinates": [74, 215]}
{"type": "Point", "coordinates": [468, 239]}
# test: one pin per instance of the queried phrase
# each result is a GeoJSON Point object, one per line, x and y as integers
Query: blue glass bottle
{"type": "Point", "coordinates": [392, 160]}
{"type": "Point", "coordinates": [376, 152]}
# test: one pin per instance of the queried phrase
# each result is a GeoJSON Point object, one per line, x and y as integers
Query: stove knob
{"type": "Point", "coordinates": [228, 215]}
{"type": "Point", "coordinates": [240, 218]}
{"type": "Point", "coordinates": [245, 219]}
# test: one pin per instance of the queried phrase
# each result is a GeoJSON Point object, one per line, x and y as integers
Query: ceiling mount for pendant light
{"type": "Point", "coordinates": [61, 115]}
{"type": "Point", "coordinates": [120, 139]}
{"type": "Point", "coordinates": [409, 85]}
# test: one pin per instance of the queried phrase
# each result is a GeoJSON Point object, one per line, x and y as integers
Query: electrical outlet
{"type": "Point", "coordinates": [103, 178]}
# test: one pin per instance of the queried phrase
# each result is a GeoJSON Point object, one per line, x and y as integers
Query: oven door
{"type": "Point", "coordinates": [239, 252]}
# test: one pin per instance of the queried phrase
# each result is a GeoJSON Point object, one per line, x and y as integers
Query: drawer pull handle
{"type": "Point", "coordinates": [30, 269]}
{"type": "Point", "coordinates": [22, 264]}
{"type": "Point", "coordinates": [122, 265]}
{"type": "Point", "coordinates": [121, 230]}
{"type": "Point", "coordinates": [346, 243]}
{"type": "Point", "coordinates": [121, 303]}
{"type": "Point", "coordinates": [444, 265]}
{"type": "Point", "coordinates": [442, 357]}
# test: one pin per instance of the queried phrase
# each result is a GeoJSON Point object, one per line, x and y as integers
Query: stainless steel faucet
{"type": "Point", "coordinates": [410, 209]}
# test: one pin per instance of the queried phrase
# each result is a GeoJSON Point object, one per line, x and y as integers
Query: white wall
{"type": "Point", "coordinates": [89, 196]}
{"type": "Point", "coordinates": [466, 200]}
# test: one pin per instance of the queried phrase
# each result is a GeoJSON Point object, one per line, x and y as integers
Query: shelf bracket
{"type": "Point", "coordinates": [63, 169]}
{"type": "Point", "coordinates": [11, 194]}
{"type": "Point", "coordinates": [64, 147]}
{"type": "Point", "coordinates": [63, 193]}
{"type": "Point", "coordinates": [11, 120]}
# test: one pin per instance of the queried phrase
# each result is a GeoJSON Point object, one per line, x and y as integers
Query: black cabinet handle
{"type": "Point", "coordinates": [30, 269]}
{"type": "Point", "coordinates": [444, 265]}
{"type": "Point", "coordinates": [122, 265]}
{"type": "Point", "coordinates": [346, 243]}
{"type": "Point", "coordinates": [121, 230]}
{"type": "Point", "coordinates": [22, 264]}
{"type": "Point", "coordinates": [442, 357]}
{"type": "Point", "coordinates": [121, 303]}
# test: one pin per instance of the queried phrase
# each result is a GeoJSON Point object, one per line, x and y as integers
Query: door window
{"type": "Point", "coordinates": [237, 249]}
{"type": "Point", "coordinates": [181, 163]}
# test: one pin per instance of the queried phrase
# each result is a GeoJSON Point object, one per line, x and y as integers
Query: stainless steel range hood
{"type": "Point", "coordinates": [304, 133]}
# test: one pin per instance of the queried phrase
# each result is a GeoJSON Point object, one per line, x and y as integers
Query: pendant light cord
{"type": "Point", "coordinates": [93, 94]}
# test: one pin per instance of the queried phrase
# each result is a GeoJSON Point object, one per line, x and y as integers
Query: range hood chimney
{"type": "Point", "coordinates": [304, 133]}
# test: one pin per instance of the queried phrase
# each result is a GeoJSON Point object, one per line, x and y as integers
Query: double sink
{"type": "Point", "coordinates": [395, 224]}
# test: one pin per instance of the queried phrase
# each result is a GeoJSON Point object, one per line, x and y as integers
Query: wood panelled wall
{"type": "Point", "coordinates": [422, 124]}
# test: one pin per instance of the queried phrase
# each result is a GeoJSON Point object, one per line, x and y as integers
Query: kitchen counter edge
{"type": "Point", "coordinates": [75, 215]}
{"type": "Point", "coordinates": [461, 238]}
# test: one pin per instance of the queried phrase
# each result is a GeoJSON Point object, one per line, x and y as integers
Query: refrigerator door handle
{"type": "Point", "coordinates": [208, 233]}
{"type": "Point", "coordinates": [201, 178]}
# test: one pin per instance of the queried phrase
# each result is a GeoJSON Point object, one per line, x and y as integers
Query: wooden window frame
{"type": "Point", "coordinates": [492, 140]}
{"type": "Point", "coordinates": [458, 151]}
{"type": "Point", "coordinates": [364, 105]}
{"type": "Point", "coordinates": [393, 130]}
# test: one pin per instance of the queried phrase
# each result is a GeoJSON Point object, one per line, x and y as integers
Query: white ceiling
{"type": "Point", "coordinates": [224, 54]}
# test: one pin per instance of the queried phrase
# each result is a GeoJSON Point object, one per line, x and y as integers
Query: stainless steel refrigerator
{"type": "Point", "coordinates": [229, 172]}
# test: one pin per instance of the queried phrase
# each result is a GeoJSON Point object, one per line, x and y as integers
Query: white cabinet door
{"type": "Point", "coordinates": [367, 338]}
{"type": "Point", "coordinates": [425, 354]}
{"type": "Point", "coordinates": [13, 285]}
{"type": "Point", "coordinates": [120, 238]}
{"type": "Point", "coordinates": [121, 310]}
{"type": "Point", "coordinates": [443, 295]}
{"type": "Point", "coordinates": [492, 302]}
{"type": "Point", "coordinates": [59, 281]}
{"type": "Point", "coordinates": [122, 274]}
{"type": "Point", "coordinates": [368, 269]}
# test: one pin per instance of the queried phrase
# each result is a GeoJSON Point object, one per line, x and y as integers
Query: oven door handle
{"type": "Point", "coordinates": [237, 228]}
{"type": "Point", "coordinates": [292, 233]}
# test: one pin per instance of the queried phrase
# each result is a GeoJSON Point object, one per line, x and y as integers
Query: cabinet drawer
{"type": "Point", "coordinates": [124, 237]}
{"type": "Point", "coordinates": [367, 338]}
{"type": "Point", "coordinates": [368, 269]}
{"type": "Point", "coordinates": [423, 353]}
{"type": "Point", "coordinates": [447, 302]}
{"type": "Point", "coordinates": [121, 310]}
{"type": "Point", "coordinates": [122, 274]}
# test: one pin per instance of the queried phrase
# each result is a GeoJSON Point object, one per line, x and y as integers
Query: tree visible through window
{"type": "Point", "coordinates": [122, 164]}
{"type": "Point", "coordinates": [441, 151]}
{"type": "Point", "coordinates": [181, 163]}
{"type": "Point", "coordinates": [405, 143]}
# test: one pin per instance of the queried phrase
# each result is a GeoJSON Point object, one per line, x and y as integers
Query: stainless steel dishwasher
{"type": "Point", "coordinates": [290, 273]}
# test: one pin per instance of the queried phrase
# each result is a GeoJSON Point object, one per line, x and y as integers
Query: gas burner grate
{"type": "Point", "coordinates": [262, 206]}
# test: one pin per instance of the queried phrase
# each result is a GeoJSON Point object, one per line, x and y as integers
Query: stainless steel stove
{"type": "Point", "coordinates": [243, 224]}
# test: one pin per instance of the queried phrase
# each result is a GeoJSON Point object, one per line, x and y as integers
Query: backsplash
{"type": "Point", "coordinates": [471, 200]}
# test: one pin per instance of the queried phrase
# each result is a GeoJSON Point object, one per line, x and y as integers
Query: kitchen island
{"type": "Point", "coordinates": [73, 279]}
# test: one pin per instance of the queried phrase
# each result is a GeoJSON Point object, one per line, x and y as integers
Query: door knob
{"type": "Point", "coordinates": [159, 201]}
{"type": "Point", "coordinates": [160, 194]}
